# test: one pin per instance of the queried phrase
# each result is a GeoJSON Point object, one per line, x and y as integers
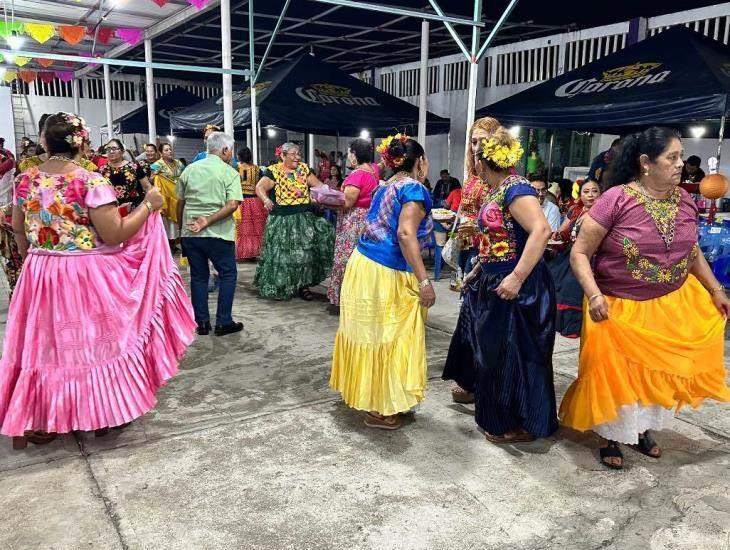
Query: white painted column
{"type": "Point", "coordinates": [227, 64]}
{"type": "Point", "coordinates": [248, 138]}
{"type": "Point", "coordinates": [310, 151]}
{"type": "Point", "coordinates": [108, 101]}
{"type": "Point", "coordinates": [423, 98]}
{"type": "Point", "coordinates": [150, 88]}
{"type": "Point", "coordinates": [254, 127]}
{"type": "Point", "coordinates": [76, 92]}
{"type": "Point", "coordinates": [471, 102]}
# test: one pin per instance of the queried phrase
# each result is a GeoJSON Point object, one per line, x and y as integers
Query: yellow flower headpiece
{"type": "Point", "coordinates": [502, 155]}
{"type": "Point", "coordinates": [393, 162]}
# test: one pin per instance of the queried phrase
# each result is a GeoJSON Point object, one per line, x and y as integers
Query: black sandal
{"type": "Point", "coordinates": [306, 295]}
{"type": "Point", "coordinates": [647, 444]}
{"type": "Point", "coordinates": [612, 450]}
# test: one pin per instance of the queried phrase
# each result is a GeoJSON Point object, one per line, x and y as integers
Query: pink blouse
{"type": "Point", "coordinates": [366, 182]}
{"type": "Point", "coordinates": [632, 261]}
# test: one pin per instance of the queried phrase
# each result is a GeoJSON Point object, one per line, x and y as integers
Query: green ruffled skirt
{"type": "Point", "coordinates": [297, 252]}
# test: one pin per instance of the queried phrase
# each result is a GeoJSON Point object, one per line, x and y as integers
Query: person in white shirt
{"type": "Point", "coordinates": [551, 211]}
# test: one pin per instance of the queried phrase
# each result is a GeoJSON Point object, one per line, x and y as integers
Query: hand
{"type": "Point", "coordinates": [598, 309]}
{"type": "Point", "coordinates": [198, 224]}
{"type": "Point", "coordinates": [509, 288]}
{"type": "Point", "coordinates": [427, 296]}
{"type": "Point", "coordinates": [155, 198]}
{"type": "Point", "coordinates": [268, 204]}
{"type": "Point", "coordinates": [721, 302]}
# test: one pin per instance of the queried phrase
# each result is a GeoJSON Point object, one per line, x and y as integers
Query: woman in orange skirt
{"type": "Point", "coordinates": [654, 340]}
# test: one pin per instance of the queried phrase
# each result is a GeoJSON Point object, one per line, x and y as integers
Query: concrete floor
{"type": "Point", "coordinates": [248, 448]}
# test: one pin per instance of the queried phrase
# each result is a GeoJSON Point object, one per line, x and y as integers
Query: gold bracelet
{"type": "Point", "coordinates": [148, 204]}
{"type": "Point", "coordinates": [594, 297]}
{"type": "Point", "coordinates": [717, 289]}
{"type": "Point", "coordinates": [518, 277]}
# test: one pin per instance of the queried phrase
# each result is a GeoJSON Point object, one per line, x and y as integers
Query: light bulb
{"type": "Point", "coordinates": [15, 41]}
{"type": "Point", "coordinates": [271, 132]}
{"type": "Point", "coordinates": [697, 131]}
{"type": "Point", "coordinates": [364, 134]}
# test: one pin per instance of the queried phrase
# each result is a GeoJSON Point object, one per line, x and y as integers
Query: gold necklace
{"type": "Point", "coordinates": [61, 158]}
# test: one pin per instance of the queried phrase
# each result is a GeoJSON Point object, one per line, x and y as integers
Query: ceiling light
{"type": "Point", "coordinates": [697, 131]}
{"type": "Point", "coordinates": [15, 41]}
{"type": "Point", "coordinates": [271, 132]}
{"type": "Point", "coordinates": [171, 137]}
{"type": "Point", "coordinates": [515, 131]}
{"type": "Point", "coordinates": [9, 58]}
{"type": "Point", "coordinates": [364, 134]}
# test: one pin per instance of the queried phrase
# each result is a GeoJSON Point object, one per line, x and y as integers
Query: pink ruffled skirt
{"type": "Point", "coordinates": [91, 337]}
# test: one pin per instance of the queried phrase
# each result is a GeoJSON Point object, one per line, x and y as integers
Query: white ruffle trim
{"type": "Point", "coordinates": [633, 420]}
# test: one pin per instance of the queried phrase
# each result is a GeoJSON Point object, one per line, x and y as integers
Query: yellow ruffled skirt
{"type": "Point", "coordinates": [648, 357]}
{"type": "Point", "coordinates": [379, 360]}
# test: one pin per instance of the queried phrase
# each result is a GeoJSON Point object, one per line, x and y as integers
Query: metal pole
{"type": "Point", "coordinates": [394, 10]}
{"type": "Point", "coordinates": [75, 88]}
{"type": "Point", "coordinates": [423, 98]}
{"type": "Point", "coordinates": [550, 159]}
{"type": "Point", "coordinates": [450, 28]}
{"type": "Point", "coordinates": [496, 28]}
{"type": "Point", "coordinates": [248, 137]}
{"type": "Point", "coordinates": [108, 101]}
{"type": "Point", "coordinates": [271, 40]}
{"type": "Point", "coordinates": [252, 68]}
{"type": "Point", "coordinates": [719, 141]}
{"type": "Point", "coordinates": [150, 87]}
{"type": "Point", "coordinates": [471, 103]}
{"type": "Point", "coordinates": [226, 61]}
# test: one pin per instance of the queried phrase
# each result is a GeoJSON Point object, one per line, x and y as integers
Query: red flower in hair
{"type": "Point", "coordinates": [278, 151]}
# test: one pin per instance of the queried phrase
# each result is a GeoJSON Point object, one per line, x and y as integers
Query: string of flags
{"type": "Point", "coordinates": [71, 34]}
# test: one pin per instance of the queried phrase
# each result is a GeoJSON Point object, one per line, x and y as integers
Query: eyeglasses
{"type": "Point", "coordinates": [113, 149]}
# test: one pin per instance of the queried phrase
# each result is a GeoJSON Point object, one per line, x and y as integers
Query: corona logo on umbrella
{"type": "Point", "coordinates": [329, 93]}
{"type": "Point", "coordinates": [629, 76]}
{"type": "Point", "coordinates": [238, 95]}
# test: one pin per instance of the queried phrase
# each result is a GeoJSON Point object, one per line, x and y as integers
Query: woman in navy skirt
{"type": "Point", "coordinates": [507, 322]}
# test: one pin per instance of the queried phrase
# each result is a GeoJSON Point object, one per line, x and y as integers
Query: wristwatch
{"type": "Point", "coordinates": [423, 284]}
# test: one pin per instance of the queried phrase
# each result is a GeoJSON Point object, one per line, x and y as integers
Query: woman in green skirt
{"type": "Point", "coordinates": [298, 247]}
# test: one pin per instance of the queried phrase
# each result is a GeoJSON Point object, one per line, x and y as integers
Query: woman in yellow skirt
{"type": "Point", "coordinates": [654, 340]}
{"type": "Point", "coordinates": [379, 360]}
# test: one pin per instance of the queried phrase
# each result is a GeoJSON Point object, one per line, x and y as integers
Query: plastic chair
{"type": "Point", "coordinates": [721, 269]}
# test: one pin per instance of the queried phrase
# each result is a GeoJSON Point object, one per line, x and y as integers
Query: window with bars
{"type": "Point", "coordinates": [409, 82]}
{"type": "Point", "coordinates": [54, 88]}
{"type": "Point", "coordinates": [526, 66]}
{"type": "Point", "coordinates": [456, 76]}
{"type": "Point", "coordinates": [387, 83]}
{"type": "Point", "coordinates": [433, 79]}
{"type": "Point", "coordinates": [582, 52]}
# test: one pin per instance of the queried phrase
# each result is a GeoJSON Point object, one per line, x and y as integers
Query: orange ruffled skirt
{"type": "Point", "coordinates": [650, 357]}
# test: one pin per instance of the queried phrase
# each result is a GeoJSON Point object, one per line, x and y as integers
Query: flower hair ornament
{"type": "Point", "coordinates": [503, 156]}
{"type": "Point", "coordinates": [388, 159]}
{"type": "Point", "coordinates": [80, 133]}
{"type": "Point", "coordinates": [209, 127]}
{"type": "Point", "coordinates": [278, 151]}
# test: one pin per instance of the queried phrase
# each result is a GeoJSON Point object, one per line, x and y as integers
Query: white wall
{"type": "Point", "coordinates": [7, 126]}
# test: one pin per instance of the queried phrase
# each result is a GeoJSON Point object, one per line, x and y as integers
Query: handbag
{"type": "Point", "coordinates": [326, 196]}
{"type": "Point", "coordinates": [451, 250]}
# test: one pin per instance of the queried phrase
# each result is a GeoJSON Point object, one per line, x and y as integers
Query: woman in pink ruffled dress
{"type": "Point", "coordinates": [358, 187]}
{"type": "Point", "coordinates": [99, 318]}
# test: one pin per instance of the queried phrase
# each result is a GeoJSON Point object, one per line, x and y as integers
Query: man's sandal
{"type": "Point", "coordinates": [461, 396]}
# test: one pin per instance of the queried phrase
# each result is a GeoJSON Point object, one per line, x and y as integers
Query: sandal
{"type": "Point", "coordinates": [382, 422]}
{"type": "Point", "coordinates": [612, 450]}
{"type": "Point", "coordinates": [462, 396]}
{"type": "Point", "coordinates": [518, 437]}
{"type": "Point", "coordinates": [306, 295]}
{"type": "Point", "coordinates": [647, 445]}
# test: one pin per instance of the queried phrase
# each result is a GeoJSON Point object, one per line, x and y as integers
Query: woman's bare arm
{"type": "Point", "coordinates": [589, 239]}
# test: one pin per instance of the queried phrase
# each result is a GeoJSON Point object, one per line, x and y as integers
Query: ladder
{"type": "Point", "coordinates": [18, 101]}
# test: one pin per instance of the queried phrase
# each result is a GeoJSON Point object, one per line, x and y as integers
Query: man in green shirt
{"type": "Point", "coordinates": [209, 192]}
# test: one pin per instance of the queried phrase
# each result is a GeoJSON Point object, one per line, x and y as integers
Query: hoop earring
{"type": "Point", "coordinates": [419, 175]}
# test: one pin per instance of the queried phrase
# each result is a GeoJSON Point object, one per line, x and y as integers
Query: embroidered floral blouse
{"type": "Point", "coordinates": [633, 260]}
{"type": "Point", "coordinates": [126, 180]}
{"type": "Point", "coordinates": [57, 207]}
{"type": "Point", "coordinates": [291, 190]}
{"type": "Point", "coordinates": [502, 239]}
{"type": "Point", "coordinates": [472, 195]}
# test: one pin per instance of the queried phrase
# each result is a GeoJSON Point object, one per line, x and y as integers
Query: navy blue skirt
{"type": "Point", "coordinates": [569, 295]}
{"type": "Point", "coordinates": [502, 350]}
